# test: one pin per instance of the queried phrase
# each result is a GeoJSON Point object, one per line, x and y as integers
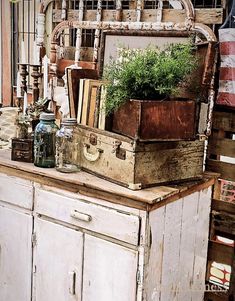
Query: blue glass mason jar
{"type": "Point", "coordinates": [45, 141]}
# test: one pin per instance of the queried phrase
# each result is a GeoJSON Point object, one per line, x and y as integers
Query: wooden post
{"type": "Point", "coordinates": [97, 32]}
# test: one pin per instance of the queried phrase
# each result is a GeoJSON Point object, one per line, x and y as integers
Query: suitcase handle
{"type": "Point", "coordinates": [91, 157]}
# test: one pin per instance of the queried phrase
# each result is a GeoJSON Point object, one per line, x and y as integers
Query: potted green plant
{"type": "Point", "coordinates": [139, 86]}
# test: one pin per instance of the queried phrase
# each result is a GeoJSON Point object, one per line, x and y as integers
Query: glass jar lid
{"type": "Point", "coordinates": [69, 121]}
{"type": "Point", "coordinates": [47, 116]}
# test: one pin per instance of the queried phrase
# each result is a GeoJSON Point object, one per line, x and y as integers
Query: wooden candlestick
{"type": "Point", "coordinates": [20, 103]}
{"type": "Point", "coordinates": [36, 74]}
{"type": "Point", "coordinates": [23, 73]}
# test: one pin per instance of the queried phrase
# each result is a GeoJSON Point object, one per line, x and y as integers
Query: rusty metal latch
{"type": "Point", "coordinates": [120, 152]}
{"type": "Point", "coordinates": [93, 139]}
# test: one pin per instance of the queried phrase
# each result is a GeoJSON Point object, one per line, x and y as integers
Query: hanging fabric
{"type": "Point", "coordinates": [226, 93]}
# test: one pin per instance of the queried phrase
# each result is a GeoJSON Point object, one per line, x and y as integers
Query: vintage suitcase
{"type": "Point", "coordinates": [137, 164]}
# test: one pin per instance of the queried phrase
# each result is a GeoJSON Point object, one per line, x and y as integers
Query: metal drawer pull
{"type": "Point", "coordinates": [81, 216]}
{"type": "Point", "coordinates": [72, 282]}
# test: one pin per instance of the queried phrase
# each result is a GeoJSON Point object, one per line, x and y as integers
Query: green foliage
{"type": "Point", "coordinates": [147, 74]}
{"type": "Point", "coordinates": [34, 110]}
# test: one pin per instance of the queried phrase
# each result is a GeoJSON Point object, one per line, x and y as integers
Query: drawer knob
{"type": "Point", "coordinates": [81, 216]}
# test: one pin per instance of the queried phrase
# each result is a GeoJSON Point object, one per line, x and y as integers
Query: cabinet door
{"type": "Point", "coordinates": [110, 271]}
{"type": "Point", "coordinates": [15, 255]}
{"type": "Point", "coordinates": [57, 262]}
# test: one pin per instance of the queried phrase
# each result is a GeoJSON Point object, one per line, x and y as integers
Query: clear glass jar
{"type": "Point", "coordinates": [67, 146]}
{"type": "Point", "coordinates": [45, 140]}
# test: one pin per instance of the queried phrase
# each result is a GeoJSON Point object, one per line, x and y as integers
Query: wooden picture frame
{"type": "Point", "coordinates": [112, 39]}
{"type": "Point", "coordinates": [73, 79]}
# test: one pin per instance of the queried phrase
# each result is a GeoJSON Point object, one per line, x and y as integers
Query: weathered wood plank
{"type": "Point", "coordinates": [220, 253]}
{"type": "Point", "coordinates": [223, 222]}
{"type": "Point", "coordinates": [226, 170]}
{"type": "Point", "coordinates": [224, 147]}
{"type": "Point", "coordinates": [109, 271]}
{"type": "Point", "coordinates": [83, 181]}
{"type": "Point", "coordinates": [170, 265]}
{"type": "Point", "coordinates": [187, 246]}
{"type": "Point", "coordinates": [216, 296]}
{"type": "Point", "coordinates": [201, 243]}
{"type": "Point", "coordinates": [206, 16]}
{"type": "Point", "coordinates": [224, 121]}
{"type": "Point", "coordinates": [154, 269]}
{"type": "Point", "coordinates": [219, 205]}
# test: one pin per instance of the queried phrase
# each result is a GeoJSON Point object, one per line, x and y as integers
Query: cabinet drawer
{"type": "Point", "coordinates": [16, 191]}
{"type": "Point", "coordinates": [120, 225]}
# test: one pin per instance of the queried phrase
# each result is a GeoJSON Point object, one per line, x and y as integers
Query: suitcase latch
{"type": "Point", "coordinates": [120, 152]}
{"type": "Point", "coordinates": [93, 139]}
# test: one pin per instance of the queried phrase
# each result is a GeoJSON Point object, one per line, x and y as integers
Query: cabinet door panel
{"type": "Point", "coordinates": [15, 255]}
{"type": "Point", "coordinates": [109, 271]}
{"type": "Point", "coordinates": [58, 261]}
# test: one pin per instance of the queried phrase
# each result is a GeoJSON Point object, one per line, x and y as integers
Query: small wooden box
{"type": "Point", "coordinates": [153, 120]}
{"type": "Point", "coordinates": [22, 150]}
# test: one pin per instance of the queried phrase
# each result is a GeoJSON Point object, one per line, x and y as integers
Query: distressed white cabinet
{"type": "Point", "coordinates": [79, 238]}
{"type": "Point", "coordinates": [15, 239]}
{"type": "Point", "coordinates": [83, 251]}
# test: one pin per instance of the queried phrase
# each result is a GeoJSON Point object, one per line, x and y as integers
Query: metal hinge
{"type": "Point", "coordinates": [34, 239]}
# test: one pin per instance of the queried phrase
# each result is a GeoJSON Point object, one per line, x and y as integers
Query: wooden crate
{"type": "Point", "coordinates": [221, 143]}
{"type": "Point", "coordinates": [152, 120]}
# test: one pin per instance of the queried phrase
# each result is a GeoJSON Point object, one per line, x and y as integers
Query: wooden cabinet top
{"type": "Point", "coordinates": [88, 184]}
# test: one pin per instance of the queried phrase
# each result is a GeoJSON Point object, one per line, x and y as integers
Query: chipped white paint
{"type": "Point", "coordinates": [16, 191]}
{"type": "Point", "coordinates": [159, 11]}
{"type": "Point", "coordinates": [139, 10]}
{"type": "Point", "coordinates": [125, 227]}
{"type": "Point", "coordinates": [58, 254]}
{"type": "Point", "coordinates": [79, 34]}
{"type": "Point", "coordinates": [187, 246]}
{"type": "Point", "coordinates": [154, 268]}
{"type": "Point", "coordinates": [201, 244]}
{"type": "Point", "coordinates": [64, 10]}
{"type": "Point", "coordinates": [40, 29]}
{"type": "Point", "coordinates": [171, 247]}
{"type": "Point", "coordinates": [97, 31]}
{"type": "Point", "coordinates": [15, 254]}
{"type": "Point", "coordinates": [109, 271]}
{"type": "Point", "coordinates": [97, 250]}
{"type": "Point", "coordinates": [177, 257]}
